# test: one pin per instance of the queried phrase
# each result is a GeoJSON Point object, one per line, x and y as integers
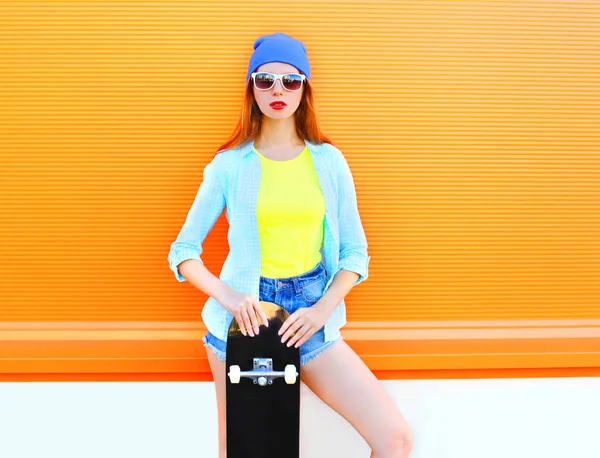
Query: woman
{"type": "Point", "coordinates": [296, 239]}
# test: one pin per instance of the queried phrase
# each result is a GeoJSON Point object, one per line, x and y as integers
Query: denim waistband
{"type": "Point", "coordinates": [298, 281]}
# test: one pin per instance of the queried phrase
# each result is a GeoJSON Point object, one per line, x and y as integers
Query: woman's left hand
{"type": "Point", "coordinates": [304, 322]}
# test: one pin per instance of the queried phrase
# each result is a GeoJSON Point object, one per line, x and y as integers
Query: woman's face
{"type": "Point", "coordinates": [277, 93]}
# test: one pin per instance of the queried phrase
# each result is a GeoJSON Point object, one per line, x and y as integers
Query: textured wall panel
{"type": "Point", "coordinates": [472, 129]}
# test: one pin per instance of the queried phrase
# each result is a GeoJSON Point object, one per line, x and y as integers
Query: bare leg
{"type": "Point", "coordinates": [344, 382]}
{"type": "Point", "coordinates": [218, 371]}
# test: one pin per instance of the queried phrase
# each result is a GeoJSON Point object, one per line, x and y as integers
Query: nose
{"type": "Point", "coordinates": [278, 87]}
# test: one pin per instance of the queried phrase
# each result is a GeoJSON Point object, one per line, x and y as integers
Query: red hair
{"type": "Point", "coordinates": [248, 125]}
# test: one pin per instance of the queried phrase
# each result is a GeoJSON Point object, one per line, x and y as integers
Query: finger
{"type": "Point", "coordinates": [263, 315]}
{"type": "Point", "coordinates": [287, 323]}
{"type": "Point", "coordinates": [300, 337]}
{"type": "Point", "coordinates": [247, 323]}
{"type": "Point", "coordinates": [253, 318]}
{"type": "Point", "coordinates": [292, 330]}
{"type": "Point", "coordinates": [240, 322]}
{"type": "Point", "coordinates": [306, 336]}
{"type": "Point", "coordinates": [260, 314]}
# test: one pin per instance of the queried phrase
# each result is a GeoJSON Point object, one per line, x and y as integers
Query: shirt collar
{"type": "Point", "coordinates": [249, 147]}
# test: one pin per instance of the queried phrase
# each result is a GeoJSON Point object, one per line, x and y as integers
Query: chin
{"type": "Point", "coordinates": [278, 114]}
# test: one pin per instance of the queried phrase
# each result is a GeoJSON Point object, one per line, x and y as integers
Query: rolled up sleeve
{"type": "Point", "coordinates": [353, 242]}
{"type": "Point", "coordinates": [206, 208]}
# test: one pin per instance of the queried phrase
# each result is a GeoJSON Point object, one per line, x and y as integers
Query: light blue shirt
{"type": "Point", "coordinates": [232, 180]}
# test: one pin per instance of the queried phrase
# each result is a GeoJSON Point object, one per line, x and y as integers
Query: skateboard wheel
{"type": "Point", "coordinates": [290, 374]}
{"type": "Point", "coordinates": [234, 374]}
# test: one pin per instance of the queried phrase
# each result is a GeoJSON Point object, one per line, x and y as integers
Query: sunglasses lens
{"type": "Point", "coordinates": [264, 80]}
{"type": "Point", "coordinates": [292, 82]}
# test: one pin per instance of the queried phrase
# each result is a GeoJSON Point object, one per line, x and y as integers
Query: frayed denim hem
{"type": "Point", "coordinates": [220, 354]}
{"type": "Point", "coordinates": [303, 358]}
{"type": "Point", "coordinates": [313, 354]}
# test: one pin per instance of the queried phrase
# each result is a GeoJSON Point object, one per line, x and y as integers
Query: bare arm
{"type": "Point", "coordinates": [240, 305]}
{"type": "Point", "coordinates": [343, 282]}
{"type": "Point", "coordinates": [198, 275]}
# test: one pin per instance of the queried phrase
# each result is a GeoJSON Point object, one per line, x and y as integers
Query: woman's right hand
{"type": "Point", "coordinates": [245, 308]}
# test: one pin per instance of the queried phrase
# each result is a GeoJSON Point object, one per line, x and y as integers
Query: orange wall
{"type": "Point", "coordinates": [472, 129]}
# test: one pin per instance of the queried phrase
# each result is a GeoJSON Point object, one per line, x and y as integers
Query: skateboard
{"type": "Point", "coordinates": [262, 391]}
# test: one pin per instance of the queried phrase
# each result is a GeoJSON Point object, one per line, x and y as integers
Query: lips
{"type": "Point", "coordinates": [278, 105]}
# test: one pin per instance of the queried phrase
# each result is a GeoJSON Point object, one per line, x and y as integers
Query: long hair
{"type": "Point", "coordinates": [248, 126]}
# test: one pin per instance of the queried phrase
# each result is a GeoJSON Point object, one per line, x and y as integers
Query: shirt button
{"type": "Point", "coordinates": [279, 283]}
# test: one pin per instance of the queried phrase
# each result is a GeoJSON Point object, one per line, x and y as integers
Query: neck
{"type": "Point", "coordinates": [277, 133]}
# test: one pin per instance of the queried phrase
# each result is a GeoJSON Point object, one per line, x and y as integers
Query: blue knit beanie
{"type": "Point", "coordinates": [279, 47]}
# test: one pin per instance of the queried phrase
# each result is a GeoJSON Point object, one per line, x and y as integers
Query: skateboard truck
{"type": "Point", "coordinates": [263, 373]}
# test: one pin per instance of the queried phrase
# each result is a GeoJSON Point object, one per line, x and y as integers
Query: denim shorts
{"type": "Point", "coordinates": [290, 293]}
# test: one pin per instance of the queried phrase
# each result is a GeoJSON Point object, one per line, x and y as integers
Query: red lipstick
{"type": "Point", "coordinates": [278, 105]}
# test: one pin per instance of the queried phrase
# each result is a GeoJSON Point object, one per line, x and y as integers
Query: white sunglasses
{"type": "Point", "coordinates": [263, 81]}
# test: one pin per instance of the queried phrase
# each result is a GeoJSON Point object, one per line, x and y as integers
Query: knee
{"type": "Point", "coordinates": [400, 444]}
{"type": "Point", "coordinates": [405, 442]}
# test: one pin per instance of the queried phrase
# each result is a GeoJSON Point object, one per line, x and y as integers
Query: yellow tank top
{"type": "Point", "coordinates": [290, 212]}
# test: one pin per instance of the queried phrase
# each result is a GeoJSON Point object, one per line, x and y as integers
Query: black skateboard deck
{"type": "Point", "coordinates": [263, 411]}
